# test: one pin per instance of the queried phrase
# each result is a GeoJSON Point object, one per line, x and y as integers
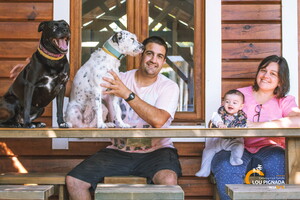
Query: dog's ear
{"type": "Point", "coordinates": [117, 37]}
{"type": "Point", "coordinates": [41, 26]}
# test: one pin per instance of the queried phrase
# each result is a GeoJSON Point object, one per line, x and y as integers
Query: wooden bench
{"type": "Point", "coordinates": [57, 179]}
{"type": "Point", "coordinates": [138, 191]}
{"type": "Point", "coordinates": [249, 191]}
{"type": "Point", "coordinates": [22, 192]}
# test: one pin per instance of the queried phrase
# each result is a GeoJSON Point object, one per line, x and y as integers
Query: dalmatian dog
{"type": "Point", "coordinates": [87, 105]}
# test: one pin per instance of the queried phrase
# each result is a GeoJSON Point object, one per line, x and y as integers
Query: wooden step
{"type": "Point", "coordinates": [36, 178]}
{"type": "Point", "coordinates": [23, 192]}
{"type": "Point", "coordinates": [250, 191]}
{"type": "Point", "coordinates": [32, 178]}
{"type": "Point", "coordinates": [138, 191]}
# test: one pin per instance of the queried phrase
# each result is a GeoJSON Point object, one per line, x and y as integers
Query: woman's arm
{"type": "Point", "coordinates": [292, 120]}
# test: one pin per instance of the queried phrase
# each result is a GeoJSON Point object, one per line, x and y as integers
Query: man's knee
{"type": "Point", "coordinates": [75, 184]}
{"type": "Point", "coordinates": [165, 177]}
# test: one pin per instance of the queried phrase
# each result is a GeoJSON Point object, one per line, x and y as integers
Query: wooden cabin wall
{"type": "Point", "coordinates": [251, 31]}
{"type": "Point", "coordinates": [19, 37]}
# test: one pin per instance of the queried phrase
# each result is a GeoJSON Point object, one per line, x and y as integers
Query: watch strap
{"type": "Point", "coordinates": [131, 97]}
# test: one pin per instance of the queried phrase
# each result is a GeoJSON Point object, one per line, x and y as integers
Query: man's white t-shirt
{"type": "Point", "coordinates": [162, 94]}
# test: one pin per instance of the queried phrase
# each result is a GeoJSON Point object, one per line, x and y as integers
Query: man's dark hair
{"type": "Point", "coordinates": [157, 40]}
{"type": "Point", "coordinates": [283, 75]}
{"type": "Point", "coordinates": [236, 92]}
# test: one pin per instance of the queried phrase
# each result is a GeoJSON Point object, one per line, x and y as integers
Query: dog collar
{"type": "Point", "coordinates": [48, 54]}
{"type": "Point", "coordinates": [112, 51]}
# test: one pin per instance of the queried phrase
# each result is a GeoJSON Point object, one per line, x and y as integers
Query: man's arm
{"type": "Point", "coordinates": [17, 69]}
{"type": "Point", "coordinates": [154, 116]}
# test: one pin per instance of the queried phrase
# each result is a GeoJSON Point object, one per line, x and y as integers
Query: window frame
{"type": "Point", "coordinates": [138, 9]}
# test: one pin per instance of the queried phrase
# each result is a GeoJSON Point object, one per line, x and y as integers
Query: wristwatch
{"type": "Point", "coordinates": [131, 97]}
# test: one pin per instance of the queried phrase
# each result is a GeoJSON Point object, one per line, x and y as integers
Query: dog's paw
{"type": "Point", "coordinates": [110, 125]}
{"type": "Point", "coordinates": [63, 125]}
{"type": "Point", "coordinates": [124, 125]}
{"type": "Point", "coordinates": [29, 125]}
{"type": "Point", "coordinates": [40, 125]}
{"type": "Point", "coordinates": [102, 125]}
{"type": "Point", "coordinates": [37, 125]}
{"type": "Point", "coordinates": [69, 124]}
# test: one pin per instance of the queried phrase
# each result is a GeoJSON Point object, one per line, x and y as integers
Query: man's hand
{"type": "Point", "coordinates": [17, 69]}
{"type": "Point", "coordinates": [115, 86]}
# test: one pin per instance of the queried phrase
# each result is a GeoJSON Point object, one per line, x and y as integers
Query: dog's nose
{"type": "Point", "coordinates": [65, 30]}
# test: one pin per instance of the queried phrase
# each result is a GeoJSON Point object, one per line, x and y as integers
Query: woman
{"type": "Point", "coordinates": [266, 105]}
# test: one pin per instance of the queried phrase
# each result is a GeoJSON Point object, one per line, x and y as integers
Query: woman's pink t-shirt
{"type": "Point", "coordinates": [271, 110]}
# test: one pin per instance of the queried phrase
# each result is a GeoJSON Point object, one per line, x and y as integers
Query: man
{"type": "Point", "coordinates": [150, 100]}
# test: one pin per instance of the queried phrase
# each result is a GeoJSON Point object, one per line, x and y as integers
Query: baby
{"type": "Point", "coordinates": [230, 115]}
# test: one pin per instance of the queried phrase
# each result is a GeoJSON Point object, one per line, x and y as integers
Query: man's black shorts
{"type": "Point", "coordinates": [110, 162]}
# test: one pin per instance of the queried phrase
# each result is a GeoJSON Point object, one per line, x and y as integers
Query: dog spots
{"type": "Point", "coordinates": [91, 73]}
{"type": "Point", "coordinates": [46, 83]}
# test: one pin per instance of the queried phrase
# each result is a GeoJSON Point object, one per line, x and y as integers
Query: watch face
{"type": "Point", "coordinates": [131, 97]}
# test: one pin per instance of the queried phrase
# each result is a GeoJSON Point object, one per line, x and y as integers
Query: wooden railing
{"type": "Point", "coordinates": [292, 135]}
{"type": "Point", "coordinates": [147, 132]}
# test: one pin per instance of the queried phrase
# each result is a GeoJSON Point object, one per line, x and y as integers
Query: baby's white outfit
{"type": "Point", "coordinates": [214, 145]}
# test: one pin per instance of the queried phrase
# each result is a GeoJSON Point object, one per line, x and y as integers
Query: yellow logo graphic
{"type": "Point", "coordinates": [253, 171]}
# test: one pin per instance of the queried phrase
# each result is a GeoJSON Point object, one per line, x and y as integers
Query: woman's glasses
{"type": "Point", "coordinates": [257, 110]}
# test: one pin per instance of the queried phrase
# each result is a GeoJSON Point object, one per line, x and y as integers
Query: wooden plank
{"type": "Point", "coordinates": [250, 191]}
{"type": "Point", "coordinates": [32, 178]}
{"type": "Point", "coordinates": [5, 67]}
{"type": "Point", "coordinates": [189, 148]}
{"type": "Point", "coordinates": [229, 84]}
{"type": "Point", "coordinates": [125, 180]}
{"type": "Point", "coordinates": [251, 31]}
{"type": "Point", "coordinates": [233, 70]}
{"type": "Point", "coordinates": [23, 192]}
{"type": "Point", "coordinates": [253, 50]}
{"type": "Point", "coordinates": [251, 12]}
{"type": "Point", "coordinates": [140, 191]}
{"type": "Point", "coordinates": [19, 30]}
{"type": "Point", "coordinates": [146, 132]}
{"type": "Point", "coordinates": [14, 49]}
{"type": "Point", "coordinates": [26, 11]}
{"type": "Point", "coordinates": [40, 164]}
{"type": "Point", "coordinates": [293, 163]}
{"type": "Point", "coordinates": [43, 147]}
{"type": "Point", "coordinates": [190, 165]}
{"type": "Point", "coordinates": [195, 186]}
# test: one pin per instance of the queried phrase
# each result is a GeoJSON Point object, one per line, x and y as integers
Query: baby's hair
{"type": "Point", "coordinates": [236, 92]}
